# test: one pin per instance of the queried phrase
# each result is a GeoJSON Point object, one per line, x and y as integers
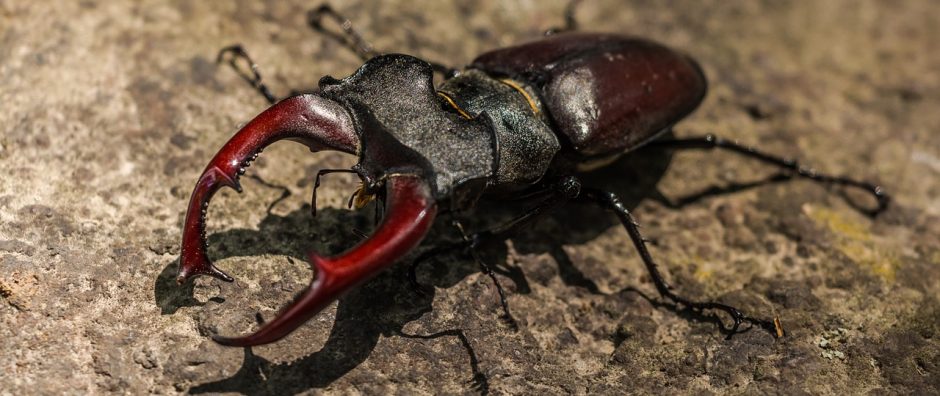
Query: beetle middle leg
{"type": "Point", "coordinates": [713, 142]}
{"type": "Point", "coordinates": [612, 202]}
{"type": "Point", "coordinates": [556, 195]}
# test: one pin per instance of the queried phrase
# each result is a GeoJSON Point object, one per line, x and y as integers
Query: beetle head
{"type": "Point", "coordinates": [320, 124]}
{"type": "Point", "coordinates": [411, 150]}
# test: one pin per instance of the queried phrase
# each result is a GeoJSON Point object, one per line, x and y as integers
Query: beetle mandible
{"type": "Point", "coordinates": [518, 121]}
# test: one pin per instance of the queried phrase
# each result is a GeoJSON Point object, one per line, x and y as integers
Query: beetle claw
{"type": "Point", "coordinates": [206, 268]}
{"type": "Point", "coordinates": [411, 211]}
{"type": "Point", "coordinates": [309, 119]}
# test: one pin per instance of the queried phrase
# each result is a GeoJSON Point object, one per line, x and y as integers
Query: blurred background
{"type": "Point", "coordinates": [110, 110]}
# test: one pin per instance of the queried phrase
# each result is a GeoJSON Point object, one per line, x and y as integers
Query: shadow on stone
{"type": "Point", "coordinates": [384, 305]}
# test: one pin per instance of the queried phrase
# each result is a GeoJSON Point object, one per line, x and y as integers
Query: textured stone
{"type": "Point", "coordinates": [111, 109]}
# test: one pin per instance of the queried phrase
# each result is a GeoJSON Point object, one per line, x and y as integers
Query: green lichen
{"type": "Point", "coordinates": [854, 239]}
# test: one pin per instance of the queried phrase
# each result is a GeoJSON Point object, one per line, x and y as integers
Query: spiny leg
{"type": "Point", "coordinates": [350, 37]}
{"type": "Point", "coordinates": [556, 195]}
{"type": "Point", "coordinates": [571, 23]}
{"type": "Point", "coordinates": [354, 41]}
{"type": "Point", "coordinates": [610, 201]}
{"type": "Point", "coordinates": [711, 142]}
{"type": "Point", "coordinates": [237, 52]}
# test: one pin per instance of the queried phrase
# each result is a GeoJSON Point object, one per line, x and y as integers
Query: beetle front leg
{"type": "Point", "coordinates": [351, 39]}
{"type": "Point", "coordinates": [612, 202]}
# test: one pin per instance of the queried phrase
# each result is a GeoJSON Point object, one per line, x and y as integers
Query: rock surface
{"type": "Point", "coordinates": [111, 109]}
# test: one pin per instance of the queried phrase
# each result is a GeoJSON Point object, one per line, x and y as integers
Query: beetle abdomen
{"type": "Point", "coordinates": [604, 93]}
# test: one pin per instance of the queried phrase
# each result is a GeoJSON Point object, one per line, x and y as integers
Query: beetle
{"type": "Point", "coordinates": [522, 121]}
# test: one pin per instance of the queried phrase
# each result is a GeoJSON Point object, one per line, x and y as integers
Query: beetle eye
{"type": "Point", "coordinates": [328, 80]}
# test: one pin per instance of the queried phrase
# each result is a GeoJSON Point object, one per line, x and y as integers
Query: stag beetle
{"type": "Point", "coordinates": [518, 121]}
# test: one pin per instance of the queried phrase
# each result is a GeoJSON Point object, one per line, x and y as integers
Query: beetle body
{"type": "Point", "coordinates": [516, 114]}
{"type": "Point", "coordinates": [514, 118]}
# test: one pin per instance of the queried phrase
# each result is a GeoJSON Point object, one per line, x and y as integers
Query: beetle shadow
{"type": "Point", "coordinates": [385, 304]}
{"type": "Point", "coordinates": [380, 307]}
{"type": "Point", "coordinates": [633, 178]}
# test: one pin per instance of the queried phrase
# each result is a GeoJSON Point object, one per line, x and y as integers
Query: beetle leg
{"type": "Point", "coordinates": [254, 78]}
{"type": "Point", "coordinates": [472, 243]}
{"type": "Point", "coordinates": [571, 23]}
{"type": "Point", "coordinates": [610, 201]}
{"type": "Point", "coordinates": [712, 142]}
{"type": "Point", "coordinates": [354, 41]}
{"type": "Point", "coordinates": [350, 37]}
{"type": "Point", "coordinates": [559, 193]}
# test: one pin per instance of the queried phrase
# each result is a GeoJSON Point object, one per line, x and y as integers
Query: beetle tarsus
{"type": "Point", "coordinates": [612, 202]}
{"type": "Point", "coordinates": [507, 316]}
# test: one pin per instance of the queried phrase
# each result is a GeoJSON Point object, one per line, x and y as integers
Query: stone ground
{"type": "Point", "coordinates": [111, 109]}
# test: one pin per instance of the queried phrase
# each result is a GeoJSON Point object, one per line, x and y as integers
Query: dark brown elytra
{"type": "Point", "coordinates": [522, 122]}
{"type": "Point", "coordinates": [607, 94]}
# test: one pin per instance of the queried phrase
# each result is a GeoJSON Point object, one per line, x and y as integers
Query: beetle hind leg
{"type": "Point", "coordinates": [709, 142]}
{"type": "Point", "coordinates": [611, 202]}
